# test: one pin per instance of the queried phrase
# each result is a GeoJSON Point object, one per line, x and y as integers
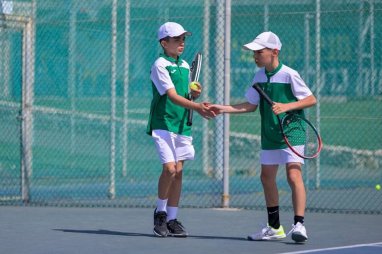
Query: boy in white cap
{"type": "Point", "coordinates": [170, 78]}
{"type": "Point", "coordinates": [284, 86]}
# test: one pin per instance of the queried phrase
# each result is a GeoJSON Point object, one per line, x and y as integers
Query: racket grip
{"type": "Point", "coordinates": [263, 94]}
{"type": "Point", "coordinates": [190, 111]}
{"type": "Point", "coordinates": [189, 120]}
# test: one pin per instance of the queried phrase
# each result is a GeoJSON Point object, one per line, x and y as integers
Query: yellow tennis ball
{"type": "Point", "coordinates": [378, 187]}
{"type": "Point", "coordinates": [194, 86]}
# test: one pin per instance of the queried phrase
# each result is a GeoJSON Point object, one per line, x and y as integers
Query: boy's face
{"type": "Point", "coordinates": [265, 57]}
{"type": "Point", "coordinates": [174, 46]}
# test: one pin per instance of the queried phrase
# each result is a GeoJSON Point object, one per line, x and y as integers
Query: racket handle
{"type": "Point", "coordinates": [190, 111]}
{"type": "Point", "coordinates": [263, 94]}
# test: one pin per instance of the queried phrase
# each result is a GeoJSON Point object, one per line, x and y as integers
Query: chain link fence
{"type": "Point", "coordinates": [75, 95]}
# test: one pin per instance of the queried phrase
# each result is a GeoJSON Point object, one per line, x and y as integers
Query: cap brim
{"type": "Point", "coordinates": [184, 33]}
{"type": "Point", "coordinates": [253, 46]}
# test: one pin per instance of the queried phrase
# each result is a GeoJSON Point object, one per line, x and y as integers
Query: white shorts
{"type": "Point", "coordinates": [279, 156]}
{"type": "Point", "coordinates": [173, 147]}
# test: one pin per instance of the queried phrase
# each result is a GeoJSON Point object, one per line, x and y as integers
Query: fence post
{"type": "Point", "coordinates": [126, 89]}
{"type": "Point", "coordinates": [318, 81]}
{"type": "Point", "coordinates": [113, 99]}
{"type": "Point", "coordinates": [27, 104]}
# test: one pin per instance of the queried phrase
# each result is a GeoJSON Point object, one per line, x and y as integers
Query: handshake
{"type": "Point", "coordinates": [206, 109]}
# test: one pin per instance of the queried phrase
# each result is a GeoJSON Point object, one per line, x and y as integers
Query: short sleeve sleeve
{"type": "Point", "coordinates": [299, 88]}
{"type": "Point", "coordinates": [160, 77]}
{"type": "Point", "coordinates": [252, 95]}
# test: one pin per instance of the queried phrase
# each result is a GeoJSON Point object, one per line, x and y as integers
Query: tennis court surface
{"type": "Point", "coordinates": [38, 230]}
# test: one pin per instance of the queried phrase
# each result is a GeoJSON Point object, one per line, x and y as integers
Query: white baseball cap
{"type": "Point", "coordinates": [171, 29]}
{"type": "Point", "coordinates": [264, 40]}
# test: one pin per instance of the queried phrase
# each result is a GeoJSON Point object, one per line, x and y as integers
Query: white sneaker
{"type": "Point", "coordinates": [298, 233]}
{"type": "Point", "coordinates": [268, 233]}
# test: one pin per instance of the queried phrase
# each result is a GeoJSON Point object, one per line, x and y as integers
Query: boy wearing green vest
{"type": "Point", "coordinates": [284, 86]}
{"type": "Point", "coordinates": [170, 78]}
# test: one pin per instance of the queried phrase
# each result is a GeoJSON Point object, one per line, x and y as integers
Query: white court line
{"type": "Point", "coordinates": [335, 248]}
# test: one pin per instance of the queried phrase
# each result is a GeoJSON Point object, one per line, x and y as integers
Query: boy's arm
{"type": "Point", "coordinates": [201, 108]}
{"type": "Point", "coordinates": [238, 108]}
{"type": "Point", "coordinates": [279, 108]}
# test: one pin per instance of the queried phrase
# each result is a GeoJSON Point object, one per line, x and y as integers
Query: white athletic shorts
{"type": "Point", "coordinates": [173, 147]}
{"type": "Point", "coordinates": [279, 156]}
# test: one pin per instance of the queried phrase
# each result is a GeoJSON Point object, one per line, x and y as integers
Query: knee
{"type": "Point", "coordinates": [294, 178]}
{"type": "Point", "coordinates": [169, 171]}
{"type": "Point", "coordinates": [178, 174]}
{"type": "Point", "coordinates": [172, 172]}
{"type": "Point", "coordinates": [266, 178]}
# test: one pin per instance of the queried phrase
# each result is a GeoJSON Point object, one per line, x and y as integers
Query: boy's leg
{"type": "Point", "coordinates": [268, 180]}
{"type": "Point", "coordinates": [176, 186]}
{"type": "Point", "coordinates": [174, 226]}
{"type": "Point", "coordinates": [166, 179]}
{"type": "Point", "coordinates": [164, 184]}
{"type": "Point", "coordinates": [274, 230]}
{"type": "Point", "coordinates": [296, 184]}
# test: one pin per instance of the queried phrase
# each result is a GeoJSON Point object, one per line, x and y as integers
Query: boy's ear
{"type": "Point", "coordinates": [275, 52]}
{"type": "Point", "coordinates": [163, 43]}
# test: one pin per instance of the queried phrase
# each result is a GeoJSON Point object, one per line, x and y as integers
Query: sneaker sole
{"type": "Point", "coordinates": [177, 235]}
{"type": "Point", "coordinates": [158, 234]}
{"type": "Point", "coordinates": [266, 239]}
{"type": "Point", "coordinates": [299, 238]}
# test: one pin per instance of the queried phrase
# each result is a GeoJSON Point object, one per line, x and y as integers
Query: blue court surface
{"type": "Point", "coordinates": [39, 230]}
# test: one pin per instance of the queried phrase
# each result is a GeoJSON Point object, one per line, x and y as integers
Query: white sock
{"type": "Point", "coordinates": [172, 212]}
{"type": "Point", "coordinates": [161, 205]}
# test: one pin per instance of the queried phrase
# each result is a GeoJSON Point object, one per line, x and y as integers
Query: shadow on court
{"type": "Point", "coordinates": [108, 232]}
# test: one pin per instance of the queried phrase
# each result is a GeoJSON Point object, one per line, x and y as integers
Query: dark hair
{"type": "Point", "coordinates": [167, 38]}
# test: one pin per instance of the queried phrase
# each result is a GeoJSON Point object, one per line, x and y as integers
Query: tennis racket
{"type": "Point", "coordinates": [196, 65]}
{"type": "Point", "coordinates": [298, 133]}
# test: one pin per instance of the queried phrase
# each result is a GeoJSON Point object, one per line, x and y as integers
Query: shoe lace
{"type": "Point", "coordinates": [176, 224]}
{"type": "Point", "coordinates": [294, 227]}
{"type": "Point", "coordinates": [291, 231]}
{"type": "Point", "coordinates": [161, 219]}
{"type": "Point", "coordinates": [268, 231]}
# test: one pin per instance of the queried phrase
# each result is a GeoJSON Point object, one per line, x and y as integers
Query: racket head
{"type": "Point", "coordinates": [301, 136]}
{"type": "Point", "coordinates": [196, 66]}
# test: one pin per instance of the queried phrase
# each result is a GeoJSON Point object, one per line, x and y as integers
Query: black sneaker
{"type": "Point", "coordinates": [160, 225]}
{"type": "Point", "coordinates": [176, 229]}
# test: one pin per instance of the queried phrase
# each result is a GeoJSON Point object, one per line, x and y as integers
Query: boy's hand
{"type": "Point", "coordinates": [195, 89]}
{"type": "Point", "coordinates": [216, 108]}
{"type": "Point", "coordinates": [279, 108]}
{"type": "Point", "coordinates": [205, 111]}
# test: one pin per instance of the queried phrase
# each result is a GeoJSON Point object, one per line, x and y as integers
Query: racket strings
{"type": "Point", "coordinates": [301, 135]}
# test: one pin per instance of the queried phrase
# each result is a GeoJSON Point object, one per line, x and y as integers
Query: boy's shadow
{"type": "Point", "coordinates": [109, 232]}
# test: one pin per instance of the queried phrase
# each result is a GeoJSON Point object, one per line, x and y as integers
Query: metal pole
{"type": "Point", "coordinates": [372, 48]}
{"type": "Point", "coordinates": [27, 103]}
{"type": "Point", "coordinates": [219, 122]}
{"type": "Point", "coordinates": [206, 83]}
{"type": "Point", "coordinates": [113, 99]}
{"type": "Point", "coordinates": [318, 80]}
{"type": "Point", "coordinates": [306, 74]}
{"type": "Point", "coordinates": [361, 39]}
{"type": "Point", "coordinates": [266, 16]}
{"type": "Point", "coordinates": [126, 89]}
{"type": "Point", "coordinates": [307, 47]}
{"type": "Point", "coordinates": [72, 72]}
{"type": "Point", "coordinates": [227, 89]}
